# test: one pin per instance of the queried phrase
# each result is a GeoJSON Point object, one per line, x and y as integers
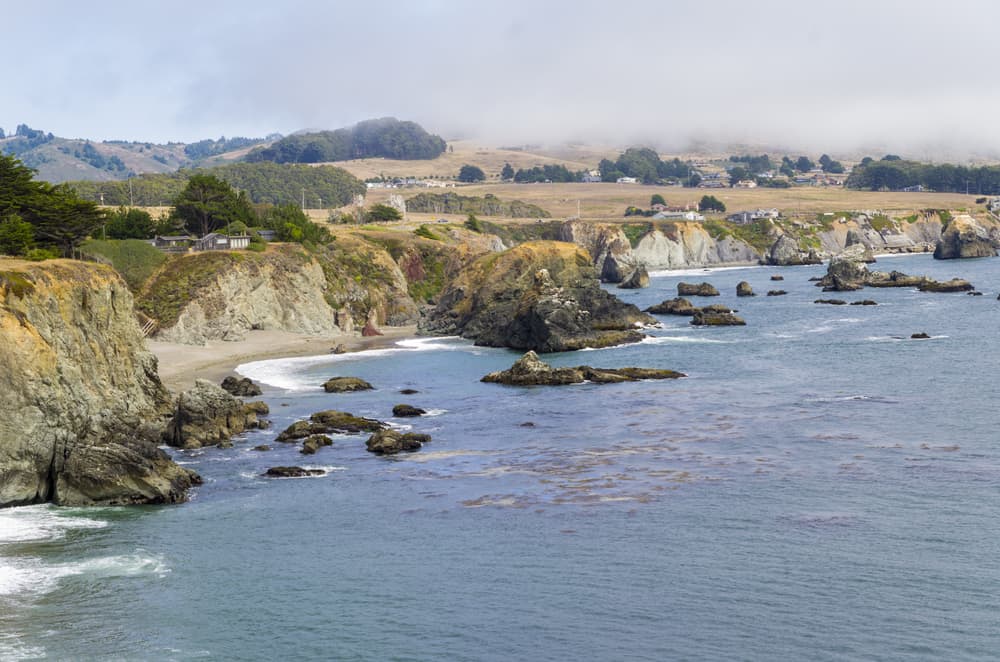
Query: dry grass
{"type": "Point", "coordinates": [490, 159]}
{"type": "Point", "coordinates": [608, 201]}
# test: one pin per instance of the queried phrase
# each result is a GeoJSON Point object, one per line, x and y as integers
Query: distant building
{"type": "Point", "coordinates": [267, 235]}
{"type": "Point", "coordinates": [681, 215]}
{"type": "Point", "coordinates": [746, 217]}
{"type": "Point", "coordinates": [626, 180]}
{"type": "Point", "coordinates": [172, 244]}
{"type": "Point", "coordinates": [918, 188]}
{"type": "Point", "coordinates": [215, 241]}
{"type": "Point", "coordinates": [746, 183]}
{"type": "Point", "coordinates": [592, 177]}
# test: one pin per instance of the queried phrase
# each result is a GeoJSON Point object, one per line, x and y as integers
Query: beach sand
{"type": "Point", "coordinates": [180, 365]}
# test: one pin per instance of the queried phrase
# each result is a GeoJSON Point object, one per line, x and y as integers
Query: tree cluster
{"type": "Point", "coordinates": [38, 214]}
{"type": "Point", "coordinates": [488, 205]}
{"type": "Point", "coordinates": [204, 149]}
{"type": "Point", "coordinates": [547, 173]}
{"type": "Point", "coordinates": [711, 203]}
{"type": "Point", "coordinates": [894, 174]}
{"type": "Point", "coordinates": [270, 183]}
{"type": "Point", "coordinates": [645, 165]}
{"type": "Point", "coordinates": [471, 173]}
{"type": "Point", "coordinates": [386, 137]}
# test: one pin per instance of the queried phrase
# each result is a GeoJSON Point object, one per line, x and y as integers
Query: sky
{"type": "Point", "coordinates": [917, 78]}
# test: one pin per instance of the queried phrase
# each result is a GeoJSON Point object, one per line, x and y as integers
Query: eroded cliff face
{"type": "Point", "coordinates": [81, 393]}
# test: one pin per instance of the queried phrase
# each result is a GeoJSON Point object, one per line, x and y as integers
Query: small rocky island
{"type": "Point", "coordinates": [529, 370]}
{"type": "Point", "coordinates": [543, 296]}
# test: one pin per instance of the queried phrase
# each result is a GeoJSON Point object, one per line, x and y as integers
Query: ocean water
{"type": "Point", "coordinates": [819, 487]}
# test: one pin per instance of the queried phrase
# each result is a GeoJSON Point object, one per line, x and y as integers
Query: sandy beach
{"type": "Point", "coordinates": [180, 365]}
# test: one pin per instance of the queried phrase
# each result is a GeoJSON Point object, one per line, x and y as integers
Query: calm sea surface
{"type": "Point", "coordinates": [819, 487]}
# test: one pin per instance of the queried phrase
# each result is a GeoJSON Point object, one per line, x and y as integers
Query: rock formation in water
{"type": "Point", "coordinates": [743, 289]}
{"type": "Point", "coordinates": [206, 415]}
{"type": "Point", "coordinates": [81, 393]}
{"type": "Point", "coordinates": [404, 411]}
{"type": "Point", "coordinates": [240, 386]}
{"type": "Point", "coordinates": [541, 295]}
{"type": "Point", "coordinates": [329, 422]}
{"type": "Point", "coordinates": [529, 370]}
{"type": "Point", "coordinates": [696, 290]}
{"type": "Point", "coordinates": [638, 280]}
{"type": "Point", "coordinates": [346, 385]}
{"type": "Point", "coordinates": [391, 442]}
{"type": "Point", "coordinates": [964, 237]}
{"type": "Point", "coordinates": [785, 252]}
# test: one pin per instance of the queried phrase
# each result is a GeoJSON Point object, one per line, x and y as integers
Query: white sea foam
{"type": "Point", "coordinates": [663, 340]}
{"type": "Point", "coordinates": [23, 576]}
{"type": "Point", "coordinates": [435, 412]}
{"type": "Point", "coordinates": [30, 523]}
{"type": "Point", "coordinates": [285, 373]}
{"type": "Point", "coordinates": [701, 270]}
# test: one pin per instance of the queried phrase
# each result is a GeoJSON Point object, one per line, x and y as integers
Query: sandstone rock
{"type": "Point", "coordinates": [696, 290]}
{"type": "Point", "coordinates": [832, 302]}
{"type": "Point", "coordinates": [370, 330]}
{"type": "Point", "coordinates": [346, 384]}
{"type": "Point", "coordinates": [964, 238]}
{"type": "Point", "coordinates": [208, 416]}
{"type": "Point", "coordinates": [314, 442]}
{"type": "Point", "coordinates": [80, 392]}
{"type": "Point", "coordinates": [391, 442]}
{"type": "Point", "coordinates": [291, 472]}
{"type": "Point", "coordinates": [953, 285]}
{"type": "Point", "coordinates": [845, 273]}
{"type": "Point", "coordinates": [743, 289]}
{"type": "Point", "coordinates": [614, 270]}
{"type": "Point", "coordinates": [242, 387]}
{"type": "Point", "coordinates": [402, 411]}
{"type": "Point", "coordinates": [529, 370]}
{"type": "Point", "coordinates": [637, 280]}
{"type": "Point", "coordinates": [703, 318]}
{"type": "Point", "coordinates": [717, 309]}
{"type": "Point", "coordinates": [678, 306]}
{"type": "Point", "coordinates": [339, 348]}
{"type": "Point", "coordinates": [776, 293]}
{"type": "Point", "coordinates": [893, 279]}
{"type": "Point", "coordinates": [540, 295]}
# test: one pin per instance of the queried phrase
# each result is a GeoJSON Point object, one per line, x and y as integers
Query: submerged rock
{"type": "Point", "coordinates": [529, 370]}
{"type": "Point", "coordinates": [390, 442]}
{"type": "Point", "coordinates": [831, 302]}
{"type": "Point", "coordinates": [743, 289]}
{"type": "Point", "coordinates": [402, 411]}
{"type": "Point", "coordinates": [346, 384]}
{"type": "Point", "coordinates": [697, 290]}
{"type": "Point", "coordinates": [776, 277]}
{"type": "Point", "coordinates": [408, 391]}
{"type": "Point", "coordinates": [920, 336]}
{"type": "Point", "coordinates": [291, 472]}
{"type": "Point", "coordinates": [208, 416]}
{"type": "Point", "coordinates": [964, 238]}
{"type": "Point", "coordinates": [864, 302]}
{"type": "Point", "coordinates": [776, 293]}
{"type": "Point", "coordinates": [637, 280]}
{"type": "Point", "coordinates": [242, 387]}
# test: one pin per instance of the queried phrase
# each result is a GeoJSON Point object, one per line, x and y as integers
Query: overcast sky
{"type": "Point", "coordinates": [916, 77]}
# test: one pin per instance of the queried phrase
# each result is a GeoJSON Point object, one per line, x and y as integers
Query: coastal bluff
{"type": "Point", "coordinates": [81, 392]}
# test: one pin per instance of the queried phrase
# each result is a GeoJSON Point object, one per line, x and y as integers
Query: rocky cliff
{"type": "Point", "coordinates": [540, 295]}
{"type": "Point", "coordinates": [80, 391]}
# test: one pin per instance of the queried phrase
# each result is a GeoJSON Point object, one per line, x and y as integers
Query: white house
{"type": "Point", "coordinates": [626, 180]}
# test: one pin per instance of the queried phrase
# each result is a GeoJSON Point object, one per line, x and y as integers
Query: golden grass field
{"type": "Point", "coordinates": [608, 201]}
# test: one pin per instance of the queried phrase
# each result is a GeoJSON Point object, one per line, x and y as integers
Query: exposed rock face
{"type": "Point", "coordinates": [707, 318]}
{"type": "Point", "coordinates": [696, 290]}
{"type": "Point", "coordinates": [785, 252]}
{"type": "Point", "coordinates": [893, 279]}
{"type": "Point", "coordinates": [208, 416]}
{"type": "Point", "coordinates": [529, 370]}
{"type": "Point", "coordinates": [346, 384]}
{"type": "Point", "coordinates": [678, 306]}
{"type": "Point", "coordinates": [845, 273]}
{"type": "Point", "coordinates": [390, 442]}
{"type": "Point", "coordinates": [329, 422]}
{"type": "Point", "coordinates": [78, 389]}
{"type": "Point", "coordinates": [964, 237]}
{"type": "Point", "coordinates": [403, 411]}
{"type": "Point", "coordinates": [314, 442]}
{"type": "Point", "coordinates": [743, 289]}
{"type": "Point", "coordinates": [541, 295]}
{"type": "Point", "coordinates": [242, 387]}
{"type": "Point", "coordinates": [638, 280]}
